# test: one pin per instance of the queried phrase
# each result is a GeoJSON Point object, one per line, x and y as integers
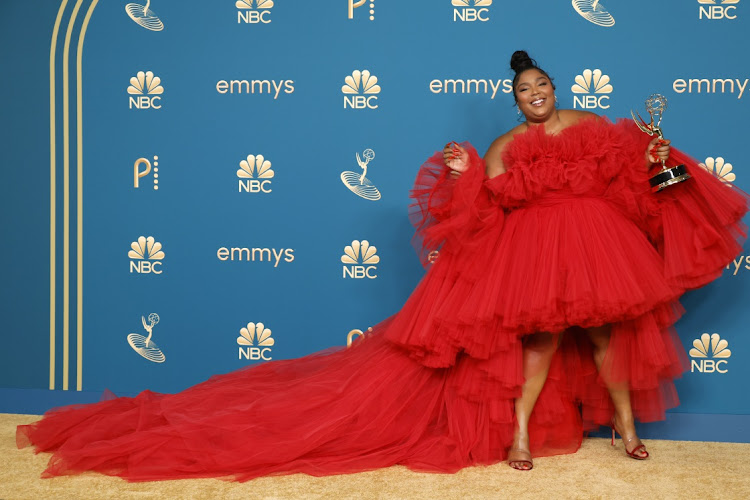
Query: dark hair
{"type": "Point", "coordinates": [520, 62]}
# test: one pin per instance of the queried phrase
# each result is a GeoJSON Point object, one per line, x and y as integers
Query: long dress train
{"type": "Point", "coordinates": [569, 237]}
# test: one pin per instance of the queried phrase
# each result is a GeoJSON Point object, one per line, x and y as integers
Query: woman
{"type": "Point", "coordinates": [557, 232]}
{"type": "Point", "coordinates": [535, 98]}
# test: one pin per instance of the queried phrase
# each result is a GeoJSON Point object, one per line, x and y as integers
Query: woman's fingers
{"type": "Point", "coordinates": [452, 150]}
{"type": "Point", "coordinates": [658, 150]}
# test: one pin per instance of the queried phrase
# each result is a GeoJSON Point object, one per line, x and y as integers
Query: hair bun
{"type": "Point", "coordinates": [520, 61]}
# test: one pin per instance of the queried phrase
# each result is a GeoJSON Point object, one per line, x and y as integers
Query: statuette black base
{"type": "Point", "coordinates": [668, 176]}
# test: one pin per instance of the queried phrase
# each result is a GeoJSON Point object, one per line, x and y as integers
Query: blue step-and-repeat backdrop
{"type": "Point", "coordinates": [191, 187]}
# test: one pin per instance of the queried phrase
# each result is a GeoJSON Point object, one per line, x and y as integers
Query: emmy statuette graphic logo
{"type": "Point", "coordinates": [710, 354]}
{"type": "Point", "coordinates": [144, 345]}
{"type": "Point", "coordinates": [146, 256]}
{"type": "Point", "coordinates": [145, 91]}
{"type": "Point", "coordinates": [355, 4]}
{"type": "Point", "coordinates": [360, 90]}
{"type": "Point", "coordinates": [591, 90]}
{"type": "Point", "coordinates": [255, 174]}
{"type": "Point", "coordinates": [142, 167]}
{"type": "Point", "coordinates": [593, 11]}
{"type": "Point", "coordinates": [253, 11]}
{"type": "Point", "coordinates": [719, 167]}
{"type": "Point", "coordinates": [358, 183]}
{"type": "Point", "coordinates": [359, 260]}
{"type": "Point", "coordinates": [717, 9]}
{"type": "Point", "coordinates": [144, 16]}
{"type": "Point", "coordinates": [255, 342]}
{"type": "Point", "coordinates": [471, 10]}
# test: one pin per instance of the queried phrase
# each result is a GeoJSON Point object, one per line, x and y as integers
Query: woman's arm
{"type": "Point", "coordinates": [493, 159]}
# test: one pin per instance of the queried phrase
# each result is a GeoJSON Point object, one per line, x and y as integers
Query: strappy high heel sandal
{"type": "Point", "coordinates": [520, 459]}
{"type": "Point", "coordinates": [635, 452]}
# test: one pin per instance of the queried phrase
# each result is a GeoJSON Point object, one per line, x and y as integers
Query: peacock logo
{"type": "Point", "coordinates": [710, 354]}
{"type": "Point", "coordinates": [144, 346]}
{"type": "Point", "coordinates": [587, 85]}
{"type": "Point", "coordinates": [144, 16]}
{"type": "Point", "coordinates": [255, 342]}
{"type": "Point", "coordinates": [360, 90]}
{"type": "Point", "coordinates": [253, 11]}
{"type": "Point", "coordinates": [357, 182]}
{"type": "Point", "coordinates": [471, 3]}
{"type": "Point", "coordinates": [145, 91]}
{"type": "Point", "coordinates": [255, 174]}
{"type": "Point", "coordinates": [719, 167]}
{"type": "Point", "coordinates": [248, 4]}
{"type": "Point", "coordinates": [360, 259]}
{"type": "Point", "coordinates": [145, 83]}
{"type": "Point", "coordinates": [594, 12]}
{"type": "Point", "coordinates": [146, 256]}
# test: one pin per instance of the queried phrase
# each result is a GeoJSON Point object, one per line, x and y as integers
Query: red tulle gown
{"type": "Point", "coordinates": [569, 237]}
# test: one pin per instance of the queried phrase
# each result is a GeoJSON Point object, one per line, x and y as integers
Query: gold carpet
{"type": "Point", "coordinates": [676, 469]}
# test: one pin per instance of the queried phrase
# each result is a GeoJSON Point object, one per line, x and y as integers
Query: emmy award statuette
{"type": "Point", "coordinates": [656, 104]}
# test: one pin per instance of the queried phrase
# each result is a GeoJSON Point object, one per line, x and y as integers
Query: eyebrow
{"type": "Point", "coordinates": [538, 78]}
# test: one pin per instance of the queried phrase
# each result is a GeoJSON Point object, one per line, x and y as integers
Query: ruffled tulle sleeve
{"type": "Point", "coordinates": [695, 225]}
{"type": "Point", "coordinates": [450, 213]}
{"type": "Point", "coordinates": [699, 225]}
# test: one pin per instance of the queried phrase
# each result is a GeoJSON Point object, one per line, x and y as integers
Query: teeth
{"type": "Point", "coordinates": [537, 102]}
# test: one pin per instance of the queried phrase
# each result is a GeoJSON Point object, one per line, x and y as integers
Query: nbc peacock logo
{"type": "Point", "coordinates": [717, 9]}
{"type": "Point", "coordinates": [594, 12]}
{"type": "Point", "coordinates": [253, 11]}
{"type": "Point", "coordinates": [144, 16]}
{"type": "Point", "coordinates": [255, 174]}
{"type": "Point", "coordinates": [471, 10]}
{"type": "Point", "coordinates": [719, 167]}
{"type": "Point", "coordinates": [357, 182]}
{"type": "Point", "coordinates": [145, 91]}
{"type": "Point", "coordinates": [355, 4]}
{"type": "Point", "coordinates": [710, 354]}
{"type": "Point", "coordinates": [360, 259]}
{"type": "Point", "coordinates": [146, 256]}
{"type": "Point", "coordinates": [255, 342]}
{"type": "Point", "coordinates": [591, 90]}
{"type": "Point", "coordinates": [144, 346]}
{"type": "Point", "coordinates": [361, 90]}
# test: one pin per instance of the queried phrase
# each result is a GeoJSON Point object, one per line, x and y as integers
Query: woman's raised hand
{"type": "Point", "coordinates": [657, 150]}
{"type": "Point", "coordinates": [456, 157]}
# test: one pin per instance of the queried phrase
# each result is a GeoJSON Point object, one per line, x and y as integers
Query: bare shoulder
{"type": "Point", "coordinates": [573, 116]}
{"type": "Point", "coordinates": [493, 158]}
{"type": "Point", "coordinates": [498, 145]}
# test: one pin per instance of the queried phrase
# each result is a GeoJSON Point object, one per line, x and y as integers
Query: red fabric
{"type": "Point", "coordinates": [569, 237]}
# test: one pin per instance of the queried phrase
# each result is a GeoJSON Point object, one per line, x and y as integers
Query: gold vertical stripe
{"type": "Point", "coordinates": [53, 197]}
{"type": "Point", "coordinates": [79, 209]}
{"type": "Point", "coordinates": [66, 197]}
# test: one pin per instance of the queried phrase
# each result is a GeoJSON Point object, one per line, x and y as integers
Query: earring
{"type": "Point", "coordinates": [557, 103]}
{"type": "Point", "coordinates": [518, 111]}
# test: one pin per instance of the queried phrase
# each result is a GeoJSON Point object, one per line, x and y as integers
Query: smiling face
{"type": "Point", "coordinates": [535, 95]}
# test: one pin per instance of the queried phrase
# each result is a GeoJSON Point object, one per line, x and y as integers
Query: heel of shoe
{"type": "Point", "coordinates": [613, 435]}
